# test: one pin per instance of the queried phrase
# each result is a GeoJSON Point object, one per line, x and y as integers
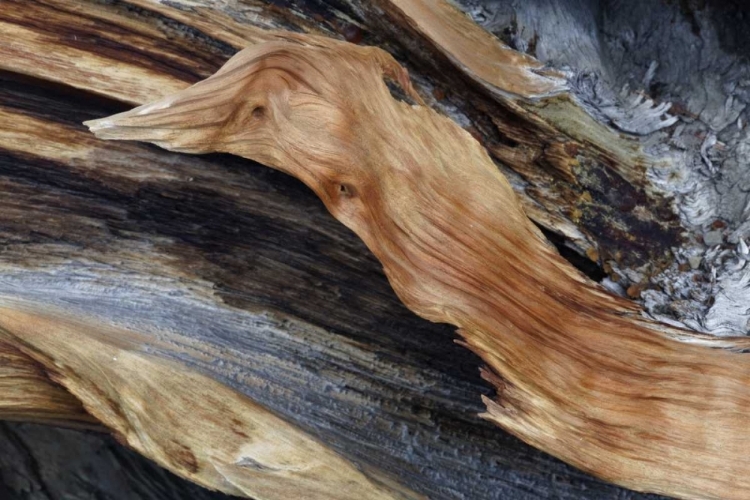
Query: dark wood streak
{"type": "Point", "coordinates": [91, 31]}
{"type": "Point", "coordinates": [510, 132]}
{"type": "Point", "coordinates": [266, 244]}
{"type": "Point", "coordinates": [576, 187]}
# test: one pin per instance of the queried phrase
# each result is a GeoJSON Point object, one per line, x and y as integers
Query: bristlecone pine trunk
{"type": "Point", "coordinates": [545, 210]}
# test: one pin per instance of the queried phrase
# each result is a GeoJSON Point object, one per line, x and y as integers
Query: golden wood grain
{"type": "Point", "coordinates": [475, 51]}
{"type": "Point", "coordinates": [29, 395]}
{"type": "Point", "coordinates": [65, 369]}
{"type": "Point", "coordinates": [187, 422]}
{"type": "Point", "coordinates": [578, 372]}
{"type": "Point", "coordinates": [71, 62]}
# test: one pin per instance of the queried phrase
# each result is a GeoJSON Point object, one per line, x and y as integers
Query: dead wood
{"type": "Point", "coordinates": [192, 259]}
{"type": "Point", "coordinates": [581, 375]}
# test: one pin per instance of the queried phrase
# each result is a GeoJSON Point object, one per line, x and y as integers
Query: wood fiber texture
{"type": "Point", "coordinates": [224, 279]}
{"type": "Point", "coordinates": [578, 373]}
{"type": "Point", "coordinates": [239, 270]}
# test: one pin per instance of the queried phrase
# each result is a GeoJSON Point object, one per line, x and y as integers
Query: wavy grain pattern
{"type": "Point", "coordinates": [185, 421]}
{"type": "Point", "coordinates": [482, 57]}
{"type": "Point", "coordinates": [29, 395]}
{"type": "Point", "coordinates": [578, 372]}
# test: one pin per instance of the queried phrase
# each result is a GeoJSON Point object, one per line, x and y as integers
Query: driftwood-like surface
{"type": "Point", "coordinates": [240, 269]}
{"type": "Point", "coordinates": [577, 372]}
{"type": "Point", "coordinates": [29, 394]}
{"type": "Point", "coordinates": [216, 270]}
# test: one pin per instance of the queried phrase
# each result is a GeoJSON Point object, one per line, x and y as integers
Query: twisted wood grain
{"type": "Point", "coordinates": [578, 372]}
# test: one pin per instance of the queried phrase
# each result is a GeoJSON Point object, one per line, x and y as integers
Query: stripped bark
{"type": "Point", "coordinates": [240, 271]}
{"type": "Point", "coordinates": [203, 280]}
{"type": "Point", "coordinates": [578, 373]}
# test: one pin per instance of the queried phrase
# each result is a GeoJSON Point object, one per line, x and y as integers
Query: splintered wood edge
{"type": "Point", "coordinates": [578, 372]}
{"type": "Point", "coordinates": [479, 54]}
{"type": "Point", "coordinates": [187, 422]}
{"type": "Point", "coordinates": [591, 343]}
{"type": "Point", "coordinates": [27, 394]}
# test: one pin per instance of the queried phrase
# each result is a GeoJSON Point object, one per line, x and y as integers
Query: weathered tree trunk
{"type": "Point", "coordinates": [146, 283]}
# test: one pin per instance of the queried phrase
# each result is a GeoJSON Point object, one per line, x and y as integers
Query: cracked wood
{"type": "Point", "coordinates": [581, 375]}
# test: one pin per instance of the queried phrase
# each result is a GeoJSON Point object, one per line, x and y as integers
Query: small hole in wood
{"type": "Point", "coordinates": [346, 190]}
{"type": "Point", "coordinates": [258, 112]}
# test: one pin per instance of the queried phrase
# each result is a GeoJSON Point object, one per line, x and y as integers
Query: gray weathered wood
{"type": "Point", "coordinates": [274, 298]}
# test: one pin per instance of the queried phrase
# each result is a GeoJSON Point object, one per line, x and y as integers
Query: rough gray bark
{"type": "Point", "coordinates": [632, 62]}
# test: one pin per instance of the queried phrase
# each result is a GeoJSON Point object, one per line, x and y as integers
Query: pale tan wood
{"type": "Point", "coordinates": [187, 422]}
{"type": "Point", "coordinates": [27, 393]}
{"type": "Point", "coordinates": [479, 54]}
{"type": "Point", "coordinates": [578, 372]}
{"type": "Point", "coordinates": [80, 69]}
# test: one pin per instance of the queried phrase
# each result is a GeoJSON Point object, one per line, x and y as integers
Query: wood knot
{"type": "Point", "coordinates": [346, 191]}
{"type": "Point", "coordinates": [258, 112]}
